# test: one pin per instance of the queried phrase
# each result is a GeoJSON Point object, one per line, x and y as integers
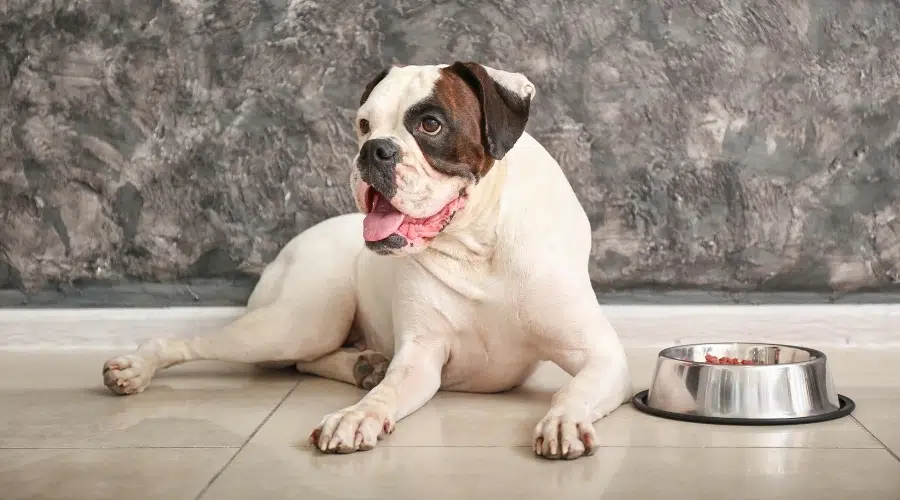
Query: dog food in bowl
{"type": "Point", "coordinates": [725, 360]}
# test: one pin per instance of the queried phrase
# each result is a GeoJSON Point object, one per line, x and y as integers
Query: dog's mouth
{"type": "Point", "coordinates": [384, 220]}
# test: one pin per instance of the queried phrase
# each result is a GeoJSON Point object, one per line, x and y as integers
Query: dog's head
{"type": "Point", "coordinates": [427, 135]}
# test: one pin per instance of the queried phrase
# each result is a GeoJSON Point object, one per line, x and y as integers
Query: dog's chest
{"type": "Point", "coordinates": [476, 313]}
{"type": "Point", "coordinates": [491, 352]}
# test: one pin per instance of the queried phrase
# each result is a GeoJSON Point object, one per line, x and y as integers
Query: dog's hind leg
{"type": "Point", "coordinates": [302, 309]}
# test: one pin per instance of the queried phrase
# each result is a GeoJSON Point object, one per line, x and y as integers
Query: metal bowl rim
{"type": "Point", "coordinates": [820, 356]}
{"type": "Point", "coordinates": [846, 407]}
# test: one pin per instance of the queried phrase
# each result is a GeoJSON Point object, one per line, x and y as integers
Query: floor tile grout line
{"type": "Point", "coordinates": [247, 441]}
{"type": "Point", "coordinates": [601, 447]}
{"type": "Point", "coordinates": [876, 438]}
{"type": "Point", "coordinates": [651, 447]}
{"type": "Point", "coordinates": [100, 448]}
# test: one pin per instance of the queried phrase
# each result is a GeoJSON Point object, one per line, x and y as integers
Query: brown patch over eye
{"type": "Point", "coordinates": [430, 125]}
{"type": "Point", "coordinates": [448, 129]}
{"type": "Point", "coordinates": [364, 126]}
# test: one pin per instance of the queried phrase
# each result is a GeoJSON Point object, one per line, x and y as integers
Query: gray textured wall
{"type": "Point", "coordinates": [721, 144]}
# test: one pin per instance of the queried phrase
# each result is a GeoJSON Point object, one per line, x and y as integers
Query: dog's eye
{"type": "Point", "coordinates": [430, 126]}
{"type": "Point", "coordinates": [364, 126]}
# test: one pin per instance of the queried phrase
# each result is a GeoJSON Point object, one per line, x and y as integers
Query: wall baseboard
{"type": "Point", "coordinates": [865, 326]}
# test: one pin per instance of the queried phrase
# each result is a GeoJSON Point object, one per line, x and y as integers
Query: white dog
{"type": "Point", "coordinates": [467, 269]}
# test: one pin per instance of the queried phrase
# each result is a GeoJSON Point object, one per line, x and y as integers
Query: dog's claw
{"type": "Point", "coordinates": [314, 437]}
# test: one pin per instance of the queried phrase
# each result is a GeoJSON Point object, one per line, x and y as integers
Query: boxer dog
{"type": "Point", "coordinates": [465, 269]}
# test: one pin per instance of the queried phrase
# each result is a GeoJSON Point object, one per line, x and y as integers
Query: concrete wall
{"type": "Point", "coordinates": [715, 144]}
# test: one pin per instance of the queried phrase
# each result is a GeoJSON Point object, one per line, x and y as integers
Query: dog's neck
{"type": "Point", "coordinates": [472, 235]}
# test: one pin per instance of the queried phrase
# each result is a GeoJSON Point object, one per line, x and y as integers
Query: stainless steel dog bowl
{"type": "Point", "coordinates": [784, 385]}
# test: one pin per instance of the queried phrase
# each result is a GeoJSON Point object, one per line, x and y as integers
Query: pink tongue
{"type": "Point", "coordinates": [383, 221]}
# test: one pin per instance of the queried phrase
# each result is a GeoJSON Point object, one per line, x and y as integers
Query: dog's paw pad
{"type": "Point", "coordinates": [369, 369]}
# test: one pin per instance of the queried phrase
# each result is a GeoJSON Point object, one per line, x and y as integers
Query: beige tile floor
{"type": "Point", "coordinates": [219, 432]}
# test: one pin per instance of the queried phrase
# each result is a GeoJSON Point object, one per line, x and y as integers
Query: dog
{"type": "Point", "coordinates": [466, 267]}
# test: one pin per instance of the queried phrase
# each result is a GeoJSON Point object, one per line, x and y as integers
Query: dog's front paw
{"type": "Point", "coordinates": [564, 434]}
{"type": "Point", "coordinates": [352, 429]}
{"type": "Point", "coordinates": [128, 374]}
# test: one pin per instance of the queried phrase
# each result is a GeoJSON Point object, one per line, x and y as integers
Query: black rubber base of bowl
{"type": "Point", "coordinates": [847, 406]}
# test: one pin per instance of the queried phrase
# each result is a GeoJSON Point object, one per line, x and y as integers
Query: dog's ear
{"type": "Point", "coordinates": [371, 85]}
{"type": "Point", "coordinates": [505, 102]}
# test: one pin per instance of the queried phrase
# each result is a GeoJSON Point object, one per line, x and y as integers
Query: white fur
{"type": "Point", "coordinates": [502, 288]}
{"type": "Point", "coordinates": [516, 82]}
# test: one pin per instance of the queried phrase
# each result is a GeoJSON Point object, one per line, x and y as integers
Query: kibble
{"type": "Point", "coordinates": [725, 360]}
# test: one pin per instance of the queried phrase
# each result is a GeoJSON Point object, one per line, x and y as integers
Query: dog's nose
{"type": "Point", "coordinates": [379, 151]}
{"type": "Point", "coordinates": [377, 164]}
